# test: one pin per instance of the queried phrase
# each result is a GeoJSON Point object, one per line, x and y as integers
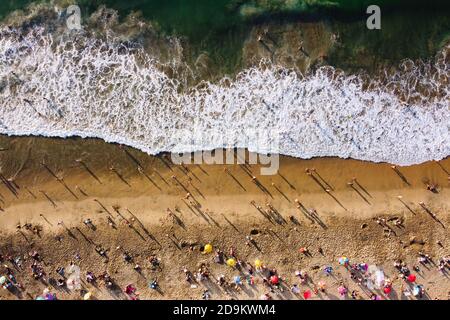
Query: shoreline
{"type": "Point", "coordinates": [120, 144]}
{"type": "Point", "coordinates": [307, 115]}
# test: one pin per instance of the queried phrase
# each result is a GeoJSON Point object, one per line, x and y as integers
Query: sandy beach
{"type": "Point", "coordinates": [342, 208]}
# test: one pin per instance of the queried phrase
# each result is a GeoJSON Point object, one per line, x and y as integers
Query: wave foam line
{"type": "Point", "coordinates": [92, 88]}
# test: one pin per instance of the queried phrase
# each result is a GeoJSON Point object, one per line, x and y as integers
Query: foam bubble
{"type": "Point", "coordinates": [92, 88]}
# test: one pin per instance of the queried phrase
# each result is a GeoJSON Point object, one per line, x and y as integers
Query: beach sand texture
{"type": "Point", "coordinates": [344, 225]}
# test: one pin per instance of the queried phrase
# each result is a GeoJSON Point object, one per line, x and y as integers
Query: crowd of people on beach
{"type": "Point", "coordinates": [371, 280]}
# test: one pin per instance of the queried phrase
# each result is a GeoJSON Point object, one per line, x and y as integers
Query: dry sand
{"type": "Point", "coordinates": [345, 224]}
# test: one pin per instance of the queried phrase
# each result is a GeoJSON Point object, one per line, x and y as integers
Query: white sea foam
{"type": "Point", "coordinates": [91, 88]}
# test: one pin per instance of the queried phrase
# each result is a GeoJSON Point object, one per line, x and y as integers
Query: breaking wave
{"type": "Point", "coordinates": [82, 86]}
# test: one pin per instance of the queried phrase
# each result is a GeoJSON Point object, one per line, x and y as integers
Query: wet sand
{"type": "Point", "coordinates": [76, 182]}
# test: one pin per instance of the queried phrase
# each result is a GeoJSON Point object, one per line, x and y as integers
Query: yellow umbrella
{"type": "Point", "coordinates": [231, 262]}
{"type": "Point", "coordinates": [258, 263]}
{"type": "Point", "coordinates": [87, 296]}
{"type": "Point", "coordinates": [208, 248]}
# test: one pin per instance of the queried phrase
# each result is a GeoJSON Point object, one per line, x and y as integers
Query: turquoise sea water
{"type": "Point", "coordinates": [410, 28]}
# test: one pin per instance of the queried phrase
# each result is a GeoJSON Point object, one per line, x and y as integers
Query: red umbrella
{"type": "Point", "coordinates": [274, 280]}
{"type": "Point", "coordinates": [307, 294]}
{"type": "Point", "coordinates": [387, 290]}
{"type": "Point", "coordinates": [411, 278]}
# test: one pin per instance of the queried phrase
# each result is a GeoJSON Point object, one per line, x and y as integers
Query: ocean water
{"type": "Point", "coordinates": [91, 87]}
{"type": "Point", "coordinates": [410, 28]}
{"type": "Point", "coordinates": [95, 88]}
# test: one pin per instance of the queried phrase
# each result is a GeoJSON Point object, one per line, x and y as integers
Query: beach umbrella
{"type": "Point", "coordinates": [2, 280]}
{"type": "Point", "coordinates": [258, 263]}
{"type": "Point", "coordinates": [387, 289]}
{"type": "Point", "coordinates": [208, 248]}
{"type": "Point", "coordinates": [411, 278]}
{"type": "Point", "coordinates": [231, 262]}
{"type": "Point", "coordinates": [307, 294]}
{"type": "Point", "coordinates": [237, 280]}
{"type": "Point", "coordinates": [343, 261]}
{"type": "Point", "coordinates": [274, 280]}
{"type": "Point", "coordinates": [87, 296]}
{"type": "Point", "coordinates": [40, 298]}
